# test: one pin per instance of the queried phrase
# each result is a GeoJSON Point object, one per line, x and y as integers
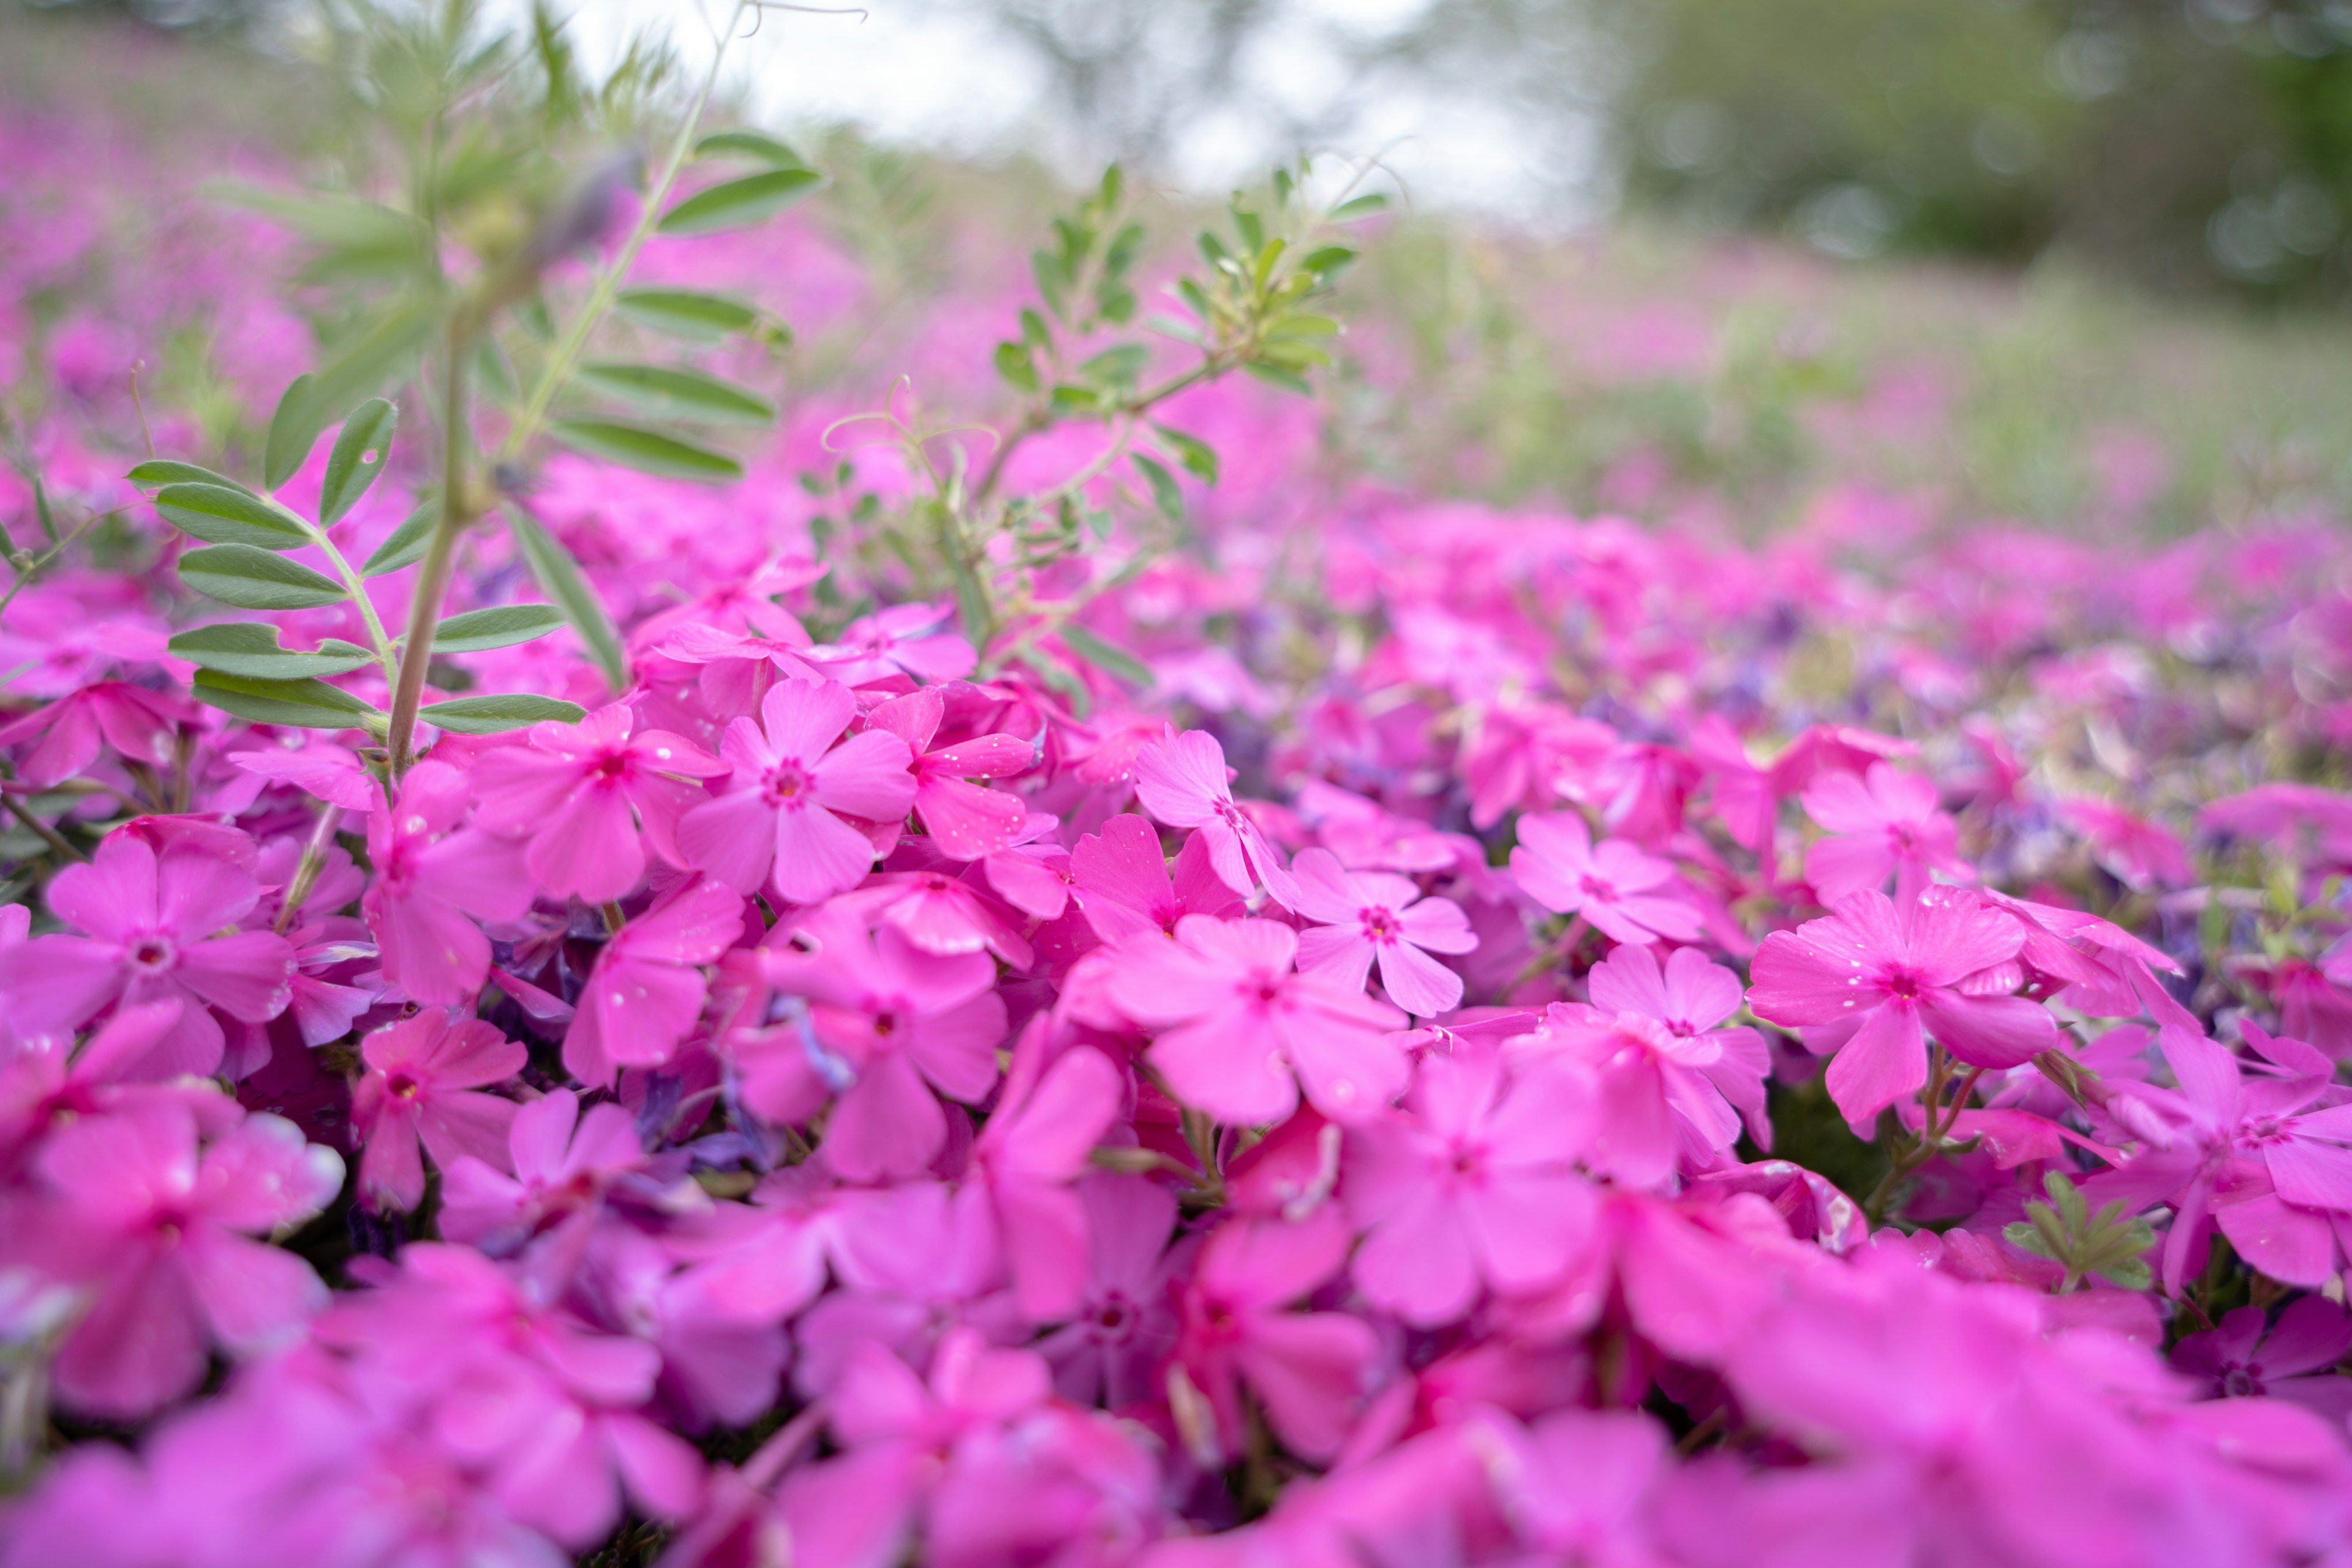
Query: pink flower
{"type": "Point", "coordinates": [1671, 1090]}
{"type": "Point", "coordinates": [562, 1163]}
{"type": "Point", "coordinates": [1234, 1023]}
{"type": "Point", "coordinates": [138, 723]}
{"type": "Point", "coordinates": [1611, 884]}
{"type": "Point", "coordinates": [580, 793]}
{"type": "Point", "coordinates": [1579, 1483]}
{"type": "Point", "coordinates": [646, 989]}
{"type": "Point", "coordinates": [791, 789]}
{"type": "Point", "coordinates": [901, 1021]}
{"type": "Point", "coordinates": [1308, 1369]}
{"type": "Point", "coordinates": [1047, 1123]}
{"type": "Point", "coordinates": [1111, 1350]}
{"type": "Point", "coordinates": [431, 876]}
{"type": "Point", "coordinates": [902, 638]}
{"type": "Point", "coordinates": [1887, 821]}
{"type": "Point", "coordinates": [965, 820]}
{"type": "Point", "coordinates": [1903, 974]}
{"type": "Point", "coordinates": [2140, 853]}
{"type": "Point", "coordinates": [1123, 886]}
{"type": "Point", "coordinates": [1181, 780]}
{"type": "Point", "coordinates": [320, 768]}
{"type": "Point", "coordinates": [1474, 1183]}
{"type": "Point", "coordinates": [155, 924]}
{"type": "Point", "coordinates": [1364, 915]}
{"type": "Point", "coordinates": [2248, 1356]}
{"type": "Point", "coordinates": [156, 1231]}
{"type": "Point", "coordinates": [422, 1078]}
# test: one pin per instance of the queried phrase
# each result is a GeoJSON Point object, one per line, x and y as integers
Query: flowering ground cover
{"type": "Point", "coordinates": [811, 920]}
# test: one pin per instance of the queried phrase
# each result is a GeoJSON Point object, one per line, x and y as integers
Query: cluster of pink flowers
{"type": "Point", "coordinates": [854, 1098]}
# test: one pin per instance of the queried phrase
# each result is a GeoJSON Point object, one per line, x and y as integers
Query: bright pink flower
{"type": "Point", "coordinates": [965, 820]}
{"type": "Point", "coordinates": [1123, 882]}
{"type": "Point", "coordinates": [433, 879]}
{"type": "Point", "coordinates": [900, 1022]}
{"type": "Point", "coordinates": [1111, 1350]}
{"type": "Point", "coordinates": [916, 1262]}
{"type": "Point", "coordinates": [157, 1232]}
{"type": "Point", "coordinates": [1365, 915]}
{"type": "Point", "coordinates": [2248, 1356]}
{"type": "Point", "coordinates": [1611, 884]}
{"type": "Point", "coordinates": [1474, 1183]}
{"type": "Point", "coordinates": [1579, 1484]}
{"type": "Point", "coordinates": [1181, 780]}
{"type": "Point", "coordinates": [2140, 853]}
{"type": "Point", "coordinates": [562, 1162]}
{"type": "Point", "coordinates": [1671, 1089]}
{"type": "Point", "coordinates": [423, 1074]}
{"type": "Point", "coordinates": [138, 723]}
{"type": "Point", "coordinates": [646, 989]}
{"type": "Point", "coordinates": [1308, 1369]}
{"type": "Point", "coordinates": [1885, 823]}
{"type": "Point", "coordinates": [1903, 972]}
{"type": "Point", "coordinates": [791, 789]}
{"type": "Point", "coordinates": [116, 1067]}
{"type": "Point", "coordinates": [1047, 1123]}
{"type": "Point", "coordinates": [581, 793]}
{"type": "Point", "coordinates": [941, 911]}
{"type": "Point", "coordinates": [903, 639]}
{"type": "Point", "coordinates": [1234, 1023]}
{"type": "Point", "coordinates": [320, 768]}
{"type": "Point", "coordinates": [155, 924]}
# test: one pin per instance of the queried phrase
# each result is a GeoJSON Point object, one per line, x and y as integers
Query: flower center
{"type": "Point", "coordinates": [1114, 1318]}
{"type": "Point", "coordinates": [1379, 925]}
{"type": "Point", "coordinates": [1901, 982]}
{"type": "Point", "coordinates": [884, 1025]}
{"type": "Point", "coordinates": [401, 1085]}
{"type": "Point", "coordinates": [150, 953]}
{"type": "Point", "coordinates": [2240, 1381]}
{"type": "Point", "coordinates": [785, 783]}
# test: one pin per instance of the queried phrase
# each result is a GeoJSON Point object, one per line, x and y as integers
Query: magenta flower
{"type": "Point", "coordinates": [2248, 1356]}
{"type": "Point", "coordinates": [791, 788]}
{"type": "Point", "coordinates": [423, 1078]}
{"type": "Point", "coordinates": [138, 723]}
{"type": "Point", "coordinates": [1887, 821]}
{"type": "Point", "coordinates": [900, 1022]}
{"type": "Point", "coordinates": [646, 989]}
{"type": "Point", "coordinates": [965, 820]}
{"type": "Point", "coordinates": [2140, 852]}
{"type": "Point", "coordinates": [1474, 1183]}
{"type": "Point", "coordinates": [562, 1162]}
{"type": "Point", "coordinates": [902, 639]}
{"type": "Point", "coordinates": [1308, 1369]}
{"type": "Point", "coordinates": [582, 792]}
{"type": "Point", "coordinates": [433, 879]}
{"type": "Point", "coordinates": [1111, 1350]}
{"type": "Point", "coordinates": [1181, 780]}
{"type": "Point", "coordinates": [1366, 915]}
{"type": "Point", "coordinates": [1234, 1023]}
{"type": "Point", "coordinates": [155, 924]}
{"type": "Point", "coordinates": [1579, 1483]}
{"type": "Point", "coordinates": [1123, 886]}
{"type": "Point", "coordinates": [1047, 1123]}
{"type": "Point", "coordinates": [157, 1232]}
{"type": "Point", "coordinates": [1903, 974]}
{"type": "Point", "coordinates": [1611, 884]}
{"type": "Point", "coordinates": [1671, 1090]}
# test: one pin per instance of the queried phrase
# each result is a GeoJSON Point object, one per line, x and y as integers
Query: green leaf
{"type": "Point", "coordinates": [500, 626]}
{"type": "Point", "coordinates": [220, 515]}
{"type": "Point", "coordinates": [679, 393]}
{"type": "Point", "coordinates": [1069, 399]}
{"type": "Point", "coordinates": [1276, 375]}
{"type": "Point", "coordinates": [558, 578]}
{"type": "Point", "coordinates": [648, 451]}
{"type": "Point", "coordinates": [255, 579]}
{"type": "Point", "coordinates": [496, 715]}
{"type": "Point", "coordinates": [1119, 366]}
{"type": "Point", "coordinates": [44, 510]}
{"type": "Point", "coordinates": [248, 648]}
{"type": "Point", "coordinates": [1328, 260]}
{"type": "Point", "coordinates": [157, 472]}
{"type": "Point", "coordinates": [755, 145]}
{"type": "Point", "coordinates": [1304, 327]}
{"type": "Point", "coordinates": [386, 350]}
{"type": "Point", "coordinates": [1106, 657]}
{"type": "Point", "coordinates": [300, 704]}
{"type": "Point", "coordinates": [407, 545]}
{"type": "Point", "coordinates": [1014, 364]}
{"type": "Point", "coordinates": [293, 431]}
{"type": "Point", "coordinates": [1060, 679]}
{"type": "Point", "coordinates": [1361, 207]}
{"type": "Point", "coordinates": [738, 204]}
{"type": "Point", "coordinates": [358, 456]}
{"type": "Point", "coordinates": [1164, 491]}
{"type": "Point", "coordinates": [1197, 455]}
{"type": "Point", "coordinates": [688, 312]}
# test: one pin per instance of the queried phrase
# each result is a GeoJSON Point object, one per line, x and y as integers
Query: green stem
{"type": "Point", "coordinates": [48, 834]}
{"type": "Point", "coordinates": [356, 586]}
{"type": "Point", "coordinates": [608, 283]}
{"type": "Point", "coordinates": [432, 581]}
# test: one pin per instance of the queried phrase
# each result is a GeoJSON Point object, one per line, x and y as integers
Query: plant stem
{"type": "Point", "coordinates": [48, 834]}
{"type": "Point", "coordinates": [432, 581]}
{"type": "Point", "coordinates": [313, 861]}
